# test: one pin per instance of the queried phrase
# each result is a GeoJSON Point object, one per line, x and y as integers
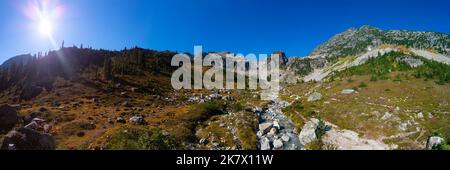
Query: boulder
{"type": "Point", "coordinates": [264, 144]}
{"type": "Point", "coordinates": [265, 127]}
{"type": "Point", "coordinates": [348, 91]}
{"type": "Point", "coordinates": [314, 97]}
{"type": "Point", "coordinates": [434, 141]}
{"type": "Point", "coordinates": [8, 118]}
{"type": "Point", "coordinates": [137, 119]}
{"type": "Point", "coordinates": [27, 139]}
{"type": "Point", "coordinates": [120, 119]}
{"type": "Point", "coordinates": [277, 144]}
{"type": "Point", "coordinates": [308, 133]}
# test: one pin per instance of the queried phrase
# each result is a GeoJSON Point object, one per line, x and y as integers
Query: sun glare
{"type": "Point", "coordinates": [45, 27]}
{"type": "Point", "coordinates": [44, 16]}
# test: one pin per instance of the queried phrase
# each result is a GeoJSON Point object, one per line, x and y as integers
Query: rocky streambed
{"type": "Point", "coordinates": [276, 131]}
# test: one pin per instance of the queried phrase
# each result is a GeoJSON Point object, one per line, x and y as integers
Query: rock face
{"type": "Point", "coordinates": [304, 66]}
{"type": "Point", "coordinates": [358, 40]}
{"type": "Point", "coordinates": [27, 139]}
{"type": "Point", "coordinates": [8, 118]}
{"type": "Point", "coordinates": [433, 142]}
{"type": "Point", "coordinates": [308, 133]}
{"type": "Point", "coordinates": [413, 62]}
{"type": "Point", "coordinates": [342, 139]}
{"type": "Point", "coordinates": [314, 97]}
{"type": "Point", "coordinates": [361, 44]}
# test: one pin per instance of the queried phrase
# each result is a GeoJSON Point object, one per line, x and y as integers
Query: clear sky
{"type": "Point", "coordinates": [244, 26]}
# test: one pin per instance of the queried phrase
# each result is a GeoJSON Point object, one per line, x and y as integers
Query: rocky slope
{"type": "Point", "coordinates": [355, 46]}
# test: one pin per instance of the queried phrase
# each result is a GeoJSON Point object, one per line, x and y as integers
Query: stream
{"type": "Point", "coordinates": [282, 129]}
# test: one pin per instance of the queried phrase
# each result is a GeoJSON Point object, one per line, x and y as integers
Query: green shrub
{"type": "Point", "coordinates": [296, 106]}
{"type": "Point", "coordinates": [322, 128]}
{"type": "Point", "coordinates": [133, 138]}
{"type": "Point", "coordinates": [362, 85]}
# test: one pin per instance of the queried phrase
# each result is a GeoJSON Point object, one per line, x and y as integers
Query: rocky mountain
{"type": "Point", "coordinates": [364, 39]}
{"type": "Point", "coordinates": [363, 89]}
{"type": "Point", "coordinates": [355, 46]}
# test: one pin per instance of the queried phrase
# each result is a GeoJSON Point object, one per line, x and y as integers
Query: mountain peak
{"type": "Point", "coordinates": [368, 27]}
{"type": "Point", "coordinates": [355, 41]}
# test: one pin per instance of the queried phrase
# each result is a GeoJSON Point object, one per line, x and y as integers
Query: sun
{"type": "Point", "coordinates": [45, 27]}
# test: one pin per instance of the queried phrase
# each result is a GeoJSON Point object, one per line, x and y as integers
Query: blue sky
{"type": "Point", "coordinates": [244, 26]}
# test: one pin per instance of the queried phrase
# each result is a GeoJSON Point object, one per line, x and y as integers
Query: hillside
{"type": "Point", "coordinates": [363, 89]}
{"type": "Point", "coordinates": [355, 46]}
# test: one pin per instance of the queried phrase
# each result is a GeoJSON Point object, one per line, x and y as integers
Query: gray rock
{"type": "Point", "coordinates": [264, 144]}
{"type": "Point", "coordinates": [434, 141]}
{"type": "Point", "coordinates": [420, 115]}
{"type": "Point", "coordinates": [277, 144]}
{"type": "Point", "coordinates": [265, 127]}
{"type": "Point", "coordinates": [308, 133]}
{"type": "Point", "coordinates": [314, 97]}
{"type": "Point", "coordinates": [138, 120]}
{"type": "Point", "coordinates": [413, 62]}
